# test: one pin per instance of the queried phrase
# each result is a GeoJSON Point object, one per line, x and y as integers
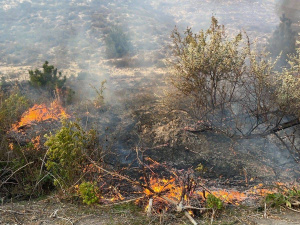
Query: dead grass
{"type": "Point", "coordinates": [53, 211]}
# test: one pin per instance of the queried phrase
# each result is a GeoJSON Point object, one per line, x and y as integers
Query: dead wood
{"type": "Point", "coordinates": [179, 206]}
{"type": "Point", "coordinates": [15, 172]}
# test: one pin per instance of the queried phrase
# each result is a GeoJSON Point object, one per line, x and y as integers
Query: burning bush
{"type": "Point", "coordinates": [41, 112]}
{"type": "Point", "coordinates": [21, 173]}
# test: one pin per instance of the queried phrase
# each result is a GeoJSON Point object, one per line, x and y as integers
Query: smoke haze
{"type": "Point", "coordinates": [71, 36]}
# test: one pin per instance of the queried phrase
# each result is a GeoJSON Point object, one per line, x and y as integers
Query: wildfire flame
{"type": "Point", "coordinates": [173, 191]}
{"type": "Point", "coordinates": [170, 189]}
{"type": "Point", "coordinates": [228, 196]}
{"type": "Point", "coordinates": [39, 113]}
{"type": "Point", "coordinates": [36, 142]}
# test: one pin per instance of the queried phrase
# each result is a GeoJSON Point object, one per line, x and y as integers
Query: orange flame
{"type": "Point", "coordinates": [11, 146]}
{"type": "Point", "coordinates": [39, 113]}
{"type": "Point", "coordinates": [170, 189]}
{"type": "Point", "coordinates": [227, 196]}
{"type": "Point", "coordinates": [36, 142]}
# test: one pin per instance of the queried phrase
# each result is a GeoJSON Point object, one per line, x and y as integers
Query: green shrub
{"type": "Point", "coordinates": [213, 202]}
{"type": "Point", "coordinates": [277, 199]}
{"type": "Point", "coordinates": [88, 192]}
{"type": "Point", "coordinates": [284, 197]}
{"type": "Point", "coordinates": [66, 153]}
{"type": "Point", "coordinates": [48, 78]}
{"type": "Point", "coordinates": [117, 43]}
{"type": "Point", "coordinates": [11, 108]}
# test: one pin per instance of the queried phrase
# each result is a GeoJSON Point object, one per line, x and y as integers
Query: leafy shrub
{"type": "Point", "coordinates": [277, 199]}
{"type": "Point", "coordinates": [66, 153]}
{"type": "Point", "coordinates": [117, 43]}
{"type": "Point", "coordinates": [288, 86]}
{"type": "Point", "coordinates": [213, 202]}
{"type": "Point", "coordinates": [11, 107]}
{"type": "Point", "coordinates": [285, 197]}
{"type": "Point", "coordinates": [88, 192]}
{"type": "Point", "coordinates": [48, 78]}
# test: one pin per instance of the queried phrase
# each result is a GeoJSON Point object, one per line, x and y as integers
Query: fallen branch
{"type": "Point", "coordinates": [212, 216]}
{"type": "Point", "coordinates": [62, 218]}
{"type": "Point", "coordinates": [12, 211]}
{"type": "Point", "coordinates": [122, 202]}
{"type": "Point", "coordinates": [54, 215]}
{"type": "Point", "coordinates": [179, 206]}
{"type": "Point", "coordinates": [191, 207]}
{"type": "Point", "coordinates": [149, 209]}
{"type": "Point", "coordinates": [297, 203]}
{"type": "Point", "coordinates": [186, 213]}
{"type": "Point", "coordinates": [265, 211]}
{"type": "Point", "coordinates": [294, 210]}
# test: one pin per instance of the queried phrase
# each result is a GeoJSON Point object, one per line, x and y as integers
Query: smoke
{"type": "Point", "coordinates": [70, 35]}
{"type": "Point", "coordinates": [291, 9]}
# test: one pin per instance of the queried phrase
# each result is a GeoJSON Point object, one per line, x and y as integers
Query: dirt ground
{"type": "Point", "coordinates": [53, 211]}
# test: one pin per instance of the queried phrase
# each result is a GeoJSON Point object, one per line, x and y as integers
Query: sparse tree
{"type": "Point", "coordinates": [227, 86]}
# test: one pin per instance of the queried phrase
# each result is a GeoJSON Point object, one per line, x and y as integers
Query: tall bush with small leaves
{"type": "Point", "coordinates": [66, 152]}
{"type": "Point", "coordinates": [288, 85]}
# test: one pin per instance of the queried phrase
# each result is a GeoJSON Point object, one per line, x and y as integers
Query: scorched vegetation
{"type": "Point", "coordinates": [204, 137]}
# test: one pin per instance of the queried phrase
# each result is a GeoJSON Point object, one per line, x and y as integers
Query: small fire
{"type": "Point", "coordinates": [11, 146]}
{"type": "Point", "coordinates": [227, 196]}
{"type": "Point", "coordinates": [39, 113]}
{"type": "Point", "coordinates": [36, 142]}
{"type": "Point", "coordinates": [170, 189]}
{"type": "Point", "coordinates": [165, 186]}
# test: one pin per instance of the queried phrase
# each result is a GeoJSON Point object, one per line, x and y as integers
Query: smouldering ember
{"type": "Point", "coordinates": [39, 113]}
